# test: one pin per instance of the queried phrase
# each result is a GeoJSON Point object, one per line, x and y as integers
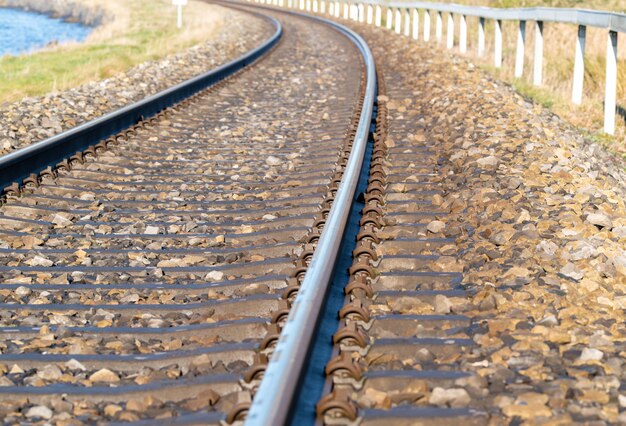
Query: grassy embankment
{"type": "Point", "coordinates": [141, 30]}
{"type": "Point", "coordinates": [559, 47]}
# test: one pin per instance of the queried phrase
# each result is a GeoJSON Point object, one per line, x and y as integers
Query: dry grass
{"type": "Point", "coordinates": [559, 47]}
{"type": "Point", "coordinates": [142, 30]}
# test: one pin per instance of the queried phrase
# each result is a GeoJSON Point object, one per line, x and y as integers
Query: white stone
{"type": "Point", "coordinates": [591, 354]}
{"type": "Point", "coordinates": [214, 276]}
{"type": "Point", "coordinates": [436, 226]}
{"type": "Point", "coordinates": [455, 397]}
{"type": "Point", "coordinates": [152, 230]}
{"type": "Point", "coordinates": [599, 219]}
{"type": "Point", "coordinates": [489, 161]}
{"type": "Point", "coordinates": [39, 411]}
{"type": "Point", "coordinates": [570, 270]}
{"type": "Point", "coordinates": [273, 161]}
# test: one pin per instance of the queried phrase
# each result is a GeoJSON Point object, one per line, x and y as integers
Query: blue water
{"type": "Point", "coordinates": [23, 32]}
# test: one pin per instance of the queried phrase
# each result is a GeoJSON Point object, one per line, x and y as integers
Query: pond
{"type": "Point", "coordinates": [24, 31]}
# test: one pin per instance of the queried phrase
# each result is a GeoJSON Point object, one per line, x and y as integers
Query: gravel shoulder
{"type": "Point", "coordinates": [33, 119]}
{"type": "Point", "coordinates": [538, 224]}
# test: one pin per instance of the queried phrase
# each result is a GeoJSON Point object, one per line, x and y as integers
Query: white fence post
{"type": "Point", "coordinates": [463, 34]}
{"type": "Point", "coordinates": [439, 27]}
{"type": "Point", "coordinates": [361, 12]}
{"type": "Point", "coordinates": [407, 22]}
{"type": "Point", "coordinates": [354, 12]}
{"type": "Point", "coordinates": [308, 5]}
{"type": "Point", "coordinates": [337, 9]}
{"type": "Point", "coordinates": [323, 7]}
{"type": "Point", "coordinates": [378, 20]}
{"type": "Point", "coordinates": [398, 21]}
{"type": "Point", "coordinates": [389, 20]}
{"type": "Point", "coordinates": [498, 44]}
{"type": "Point", "coordinates": [521, 43]}
{"type": "Point", "coordinates": [579, 66]}
{"type": "Point", "coordinates": [538, 57]}
{"type": "Point", "coordinates": [315, 6]}
{"type": "Point", "coordinates": [426, 25]}
{"type": "Point", "coordinates": [301, 5]}
{"type": "Point", "coordinates": [346, 10]}
{"type": "Point", "coordinates": [450, 41]}
{"type": "Point", "coordinates": [370, 14]}
{"type": "Point", "coordinates": [416, 23]}
{"type": "Point", "coordinates": [481, 36]}
{"type": "Point", "coordinates": [610, 90]}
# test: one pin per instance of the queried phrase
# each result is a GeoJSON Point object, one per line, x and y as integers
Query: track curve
{"type": "Point", "coordinates": [148, 280]}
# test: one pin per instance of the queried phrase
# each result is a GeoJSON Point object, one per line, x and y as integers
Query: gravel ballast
{"type": "Point", "coordinates": [33, 119]}
{"type": "Point", "coordinates": [531, 221]}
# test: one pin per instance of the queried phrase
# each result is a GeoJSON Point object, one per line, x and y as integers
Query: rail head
{"type": "Point", "coordinates": [34, 158]}
{"type": "Point", "coordinates": [274, 398]}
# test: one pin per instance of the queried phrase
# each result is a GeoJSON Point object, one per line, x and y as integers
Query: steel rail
{"type": "Point", "coordinates": [275, 396]}
{"type": "Point", "coordinates": [34, 158]}
{"type": "Point", "coordinates": [593, 18]}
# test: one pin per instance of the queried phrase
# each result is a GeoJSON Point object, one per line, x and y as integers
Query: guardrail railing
{"type": "Point", "coordinates": [404, 18]}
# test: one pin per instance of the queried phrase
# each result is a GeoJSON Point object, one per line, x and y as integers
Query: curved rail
{"type": "Point", "coordinates": [36, 157]}
{"type": "Point", "coordinates": [275, 396]}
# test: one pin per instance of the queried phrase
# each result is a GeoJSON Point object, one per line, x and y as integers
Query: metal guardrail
{"type": "Point", "coordinates": [34, 158]}
{"type": "Point", "coordinates": [404, 17]}
{"type": "Point", "coordinates": [591, 18]}
{"type": "Point", "coordinates": [274, 398]}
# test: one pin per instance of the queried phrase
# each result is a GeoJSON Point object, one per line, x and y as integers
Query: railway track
{"type": "Point", "coordinates": [407, 316]}
{"type": "Point", "coordinates": [148, 278]}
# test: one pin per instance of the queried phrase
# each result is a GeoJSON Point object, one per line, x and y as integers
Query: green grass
{"type": "Point", "coordinates": [152, 34]}
{"type": "Point", "coordinates": [540, 96]}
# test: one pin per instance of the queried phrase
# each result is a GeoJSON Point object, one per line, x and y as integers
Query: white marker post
{"type": "Point", "coordinates": [179, 4]}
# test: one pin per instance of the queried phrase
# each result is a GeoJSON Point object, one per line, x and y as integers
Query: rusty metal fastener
{"type": "Point", "coordinates": [362, 266]}
{"type": "Point", "coordinates": [368, 233]}
{"type": "Point", "coordinates": [290, 291]}
{"type": "Point", "coordinates": [64, 166]}
{"type": "Point", "coordinates": [365, 248]}
{"type": "Point", "coordinates": [378, 170]}
{"type": "Point", "coordinates": [32, 181]}
{"type": "Point", "coordinates": [371, 219]}
{"type": "Point", "coordinates": [270, 339]}
{"type": "Point", "coordinates": [48, 173]}
{"type": "Point", "coordinates": [256, 370]}
{"type": "Point", "coordinates": [376, 187]}
{"type": "Point", "coordinates": [301, 267]}
{"type": "Point", "coordinates": [374, 197]}
{"type": "Point", "coordinates": [90, 152]}
{"type": "Point", "coordinates": [355, 310]}
{"type": "Point", "coordinates": [350, 334]}
{"type": "Point", "coordinates": [77, 158]}
{"type": "Point", "coordinates": [282, 311]}
{"type": "Point", "coordinates": [377, 179]}
{"type": "Point", "coordinates": [319, 222]}
{"type": "Point", "coordinates": [380, 150]}
{"type": "Point", "coordinates": [359, 284]}
{"type": "Point", "coordinates": [345, 366]}
{"type": "Point", "coordinates": [338, 404]}
{"type": "Point", "coordinates": [238, 412]}
{"type": "Point", "coordinates": [307, 254]}
{"type": "Point", "coordinates": [372, 209]}
{"type": "Point", "coordinates": [313, 236]}
{"type": "Point", "coordinates": [13, 190]}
